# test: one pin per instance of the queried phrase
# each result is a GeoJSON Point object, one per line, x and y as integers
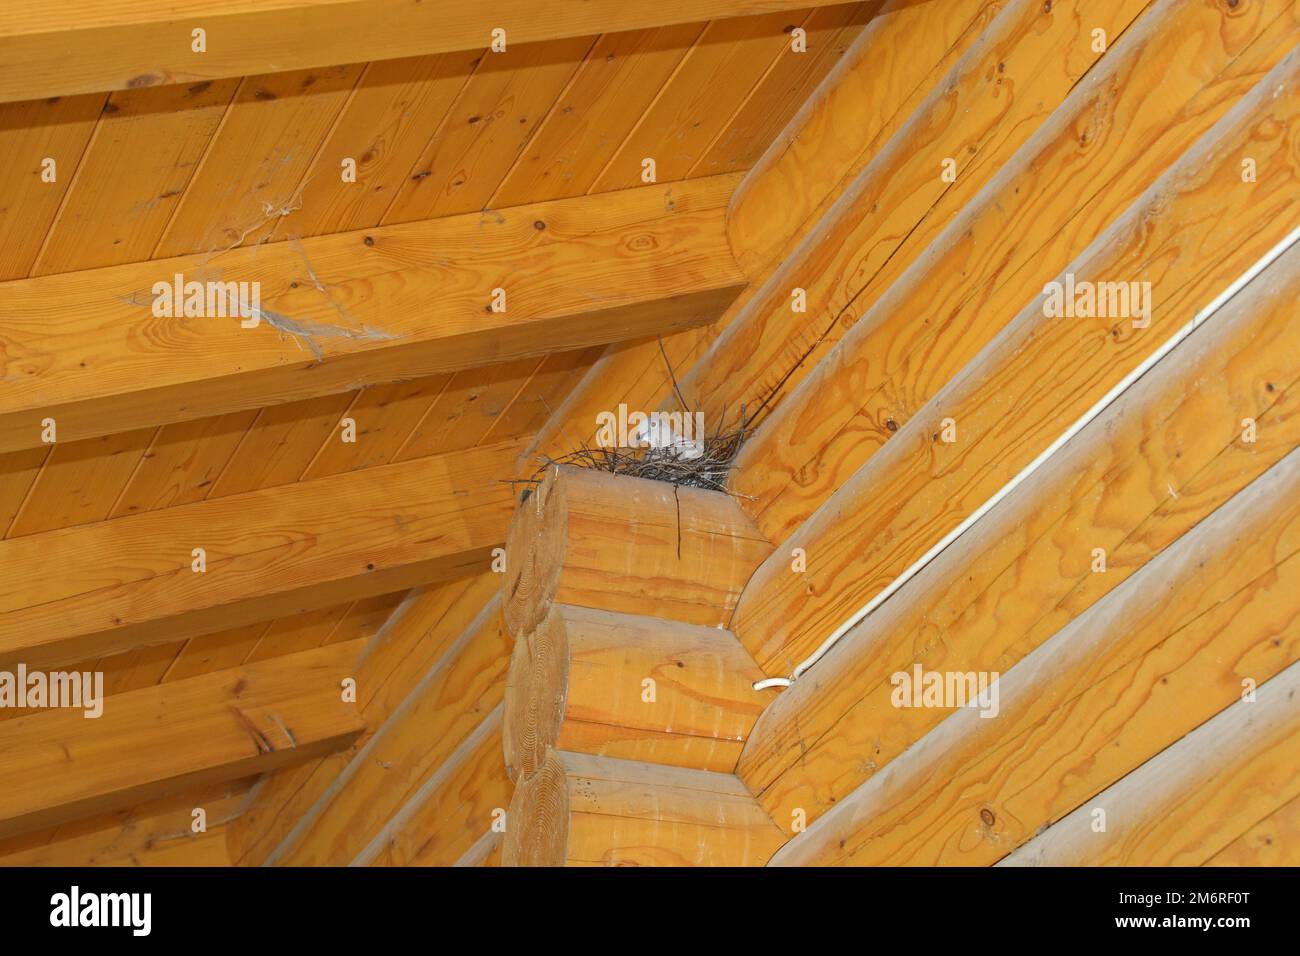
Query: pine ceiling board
{"type": "Point", "coordinates": [215, 652]}
{"type": "Point", "coordinates": [393, 114]}
{"type": "Point", "coordinates": [486, 128]}
{"type": "Point", "coordinates": [542, 394]}
{"type": "Point", "coordinates": [366, 616]}
{"type": "Point", "coordinates": [255, 165]}
{"type": "Point", "coordinates": [786, 87]}
{"type": "Point", "coordinates": [385, 416]}
{"type": "Point", "coordinates": [613, 86]}
{"type": "Point", "coordinates": [31, 133]}
{"type": "Point", "coordinates": [183, 461]}
{"type": "Point", "coordinates": [297, 632]}
{"type": "Point", "coordinates": [81, 481]}
{"type": "Point", "coordinates": [145, 149]}
{"type": "Point", "coordinates": [282, 443]}
{"type": "Point", "coordinates": [18, 471]}
{"type": "Point", "coordinates": [710, 84]}
{"type": "Point", "coordinates": [465, 410]}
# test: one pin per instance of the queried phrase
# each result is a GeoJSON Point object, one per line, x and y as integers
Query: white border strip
{"type": "Point", "coordinates": [1173, 342]}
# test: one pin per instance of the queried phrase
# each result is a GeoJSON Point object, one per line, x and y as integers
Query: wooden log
{"type": "Point", "coordinates": [1162, 654]}
{"type": "Point", "coordinates": [580, 810]}
{"type": "Point", "coordinates": [1272, 841]}
{"type": "Point", "coordinates": [450, 810]}
{"type": "Point", "coordinates": [1161, 459]}
{"type": "Point", "coordinates": [1188, 802]}
{"type": "Point", "coordinates": [624, 685]}
{"type": "Point", "coordinates": [975, 118]}
{"type": "Point", "coordinates": [594, 539]}
{"type": "Point", "coordinates": [415, 637]}
{"type": "Point", "coordinates": [860, 103]}
{"type": "Point", "coordinates": [978, 255]}
{"type": "Point", "coordinates": [1035, 379]}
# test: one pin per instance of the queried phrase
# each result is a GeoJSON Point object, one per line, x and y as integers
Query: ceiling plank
{"type": "Point", "coordinates": [351, 309]}
{"type": "Point", "coordinates": [68, 46]}
{"type": "Point", "coordinates": [94, 589]}
{"type": "Point", "coordinates": [151, 743]}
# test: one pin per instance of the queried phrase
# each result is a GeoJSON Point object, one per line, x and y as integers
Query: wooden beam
{"type": "Point", "coordinates": [92, 590]}
{"type": "Point", "coordinates": [462, 689]}
{"type": "Point", "coordinates": [580, 810]}
{"type": "Point", "coordinates": [159, 741]}
{"type": "Point", "coordinates": [594, 539]}
{"type": "Point", "coordinates": [1158, 461]}
{"type": "Point", "coordinates": [1188, 802]}
{"type": "Point", "coordinates": [1213, 615]}
{"type": "Point", "coordinates": [578, 682]}
{"type": "Point", "coordinates": [69, 47]}
{"type": "Point", "coordinates": [350, 309]}
{"type": "Point", "coordinates": [1037, 377]}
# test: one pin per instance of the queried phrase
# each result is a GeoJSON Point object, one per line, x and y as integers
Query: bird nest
{"type": "Point", "coordinates": [706, 465]}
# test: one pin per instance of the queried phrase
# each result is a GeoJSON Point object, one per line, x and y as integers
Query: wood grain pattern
{"type": "Point", "coordinates": [1162, 458]}
{"type": "Point", "coordinates": [448, 812]}
{"type": "Point", "coordinates": [155, 742]}
{"type": "Point", "coordinates": [1009, 240]}
{"type": "Point", "coordinates": [147, 144]}
{"type": "Point", "coordinates": [580, 810]}
{"type": "Point", "coordinates": [918, 487]}
{"type": "Point", "coordinates": [110, 586]}
{"type": "Point", "coordinates": [882, 79]}
{"type": "Point", "coordinates": [1163, 653]}
{"type": "Point", "coordinates": [1184, 805]}
{"type": "Point", "coordinates": [157, 833]}
{"type": "Point", "coordinates": [417, 634]}
{"type": "Point", "coordinates": [132, 43]}
{"type": "Point", "coordinates": [453, 698]}
{"type": "Point", "coordinates": [30, 133]}
{"type": "Point", "coordinates": [1005, 86]}
{"type": "Point", "coordinates": [84, 349]}
{"type": "Point", "coordinates": [616, 543]}
{"type": "Point", "coordinates": [577, 682]}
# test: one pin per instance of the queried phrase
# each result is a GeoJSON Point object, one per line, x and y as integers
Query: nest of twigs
{"type": "Point", "coordinates": [707, 470]}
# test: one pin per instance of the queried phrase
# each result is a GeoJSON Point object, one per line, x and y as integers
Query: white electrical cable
{"type": "Point", "coordinates": [1263, 263]}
